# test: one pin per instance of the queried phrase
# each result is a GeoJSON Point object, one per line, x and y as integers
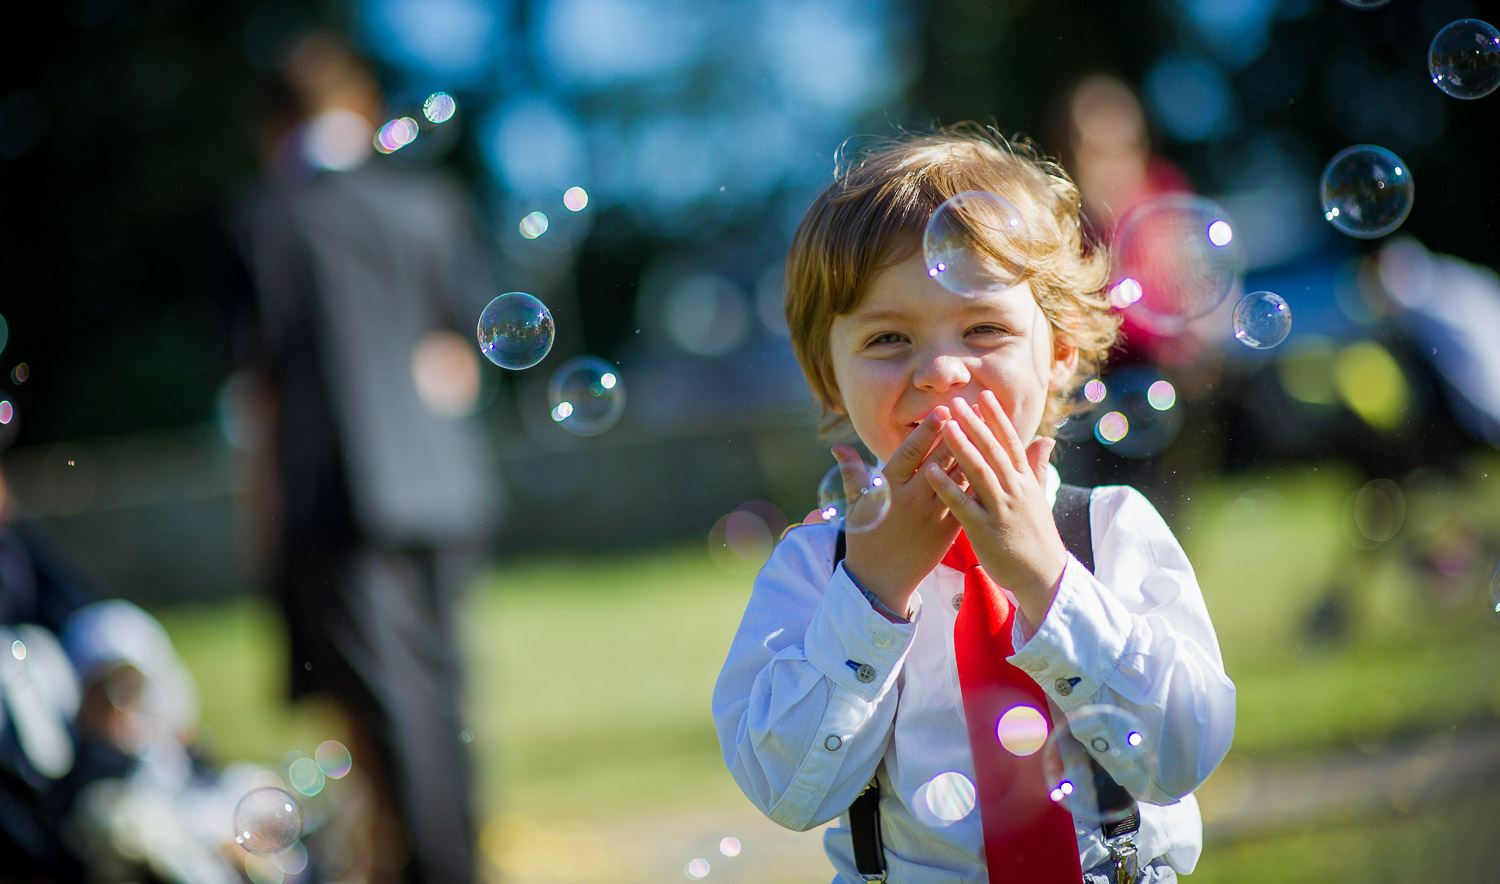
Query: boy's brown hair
{"type": "Point", "coordinates": [873, 215]}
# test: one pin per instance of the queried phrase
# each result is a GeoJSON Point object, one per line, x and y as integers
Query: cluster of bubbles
{"type": "Point", "coordinates": [401, 131]}
{"type": "Point", "coordinates": [698, 867]}
{"type": "Point", "coordinates": [586, 394]}
{"type": "Point", "coordinates": [854, 495]}
{"type": "Point", "coordinates": [535, 223]}
{"type": "Point", "coordinates": [1117, 739]}
{"type": "Point", "coordinates": [1132, 410]}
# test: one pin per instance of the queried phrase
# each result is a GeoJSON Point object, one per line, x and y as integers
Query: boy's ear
{"type": "Point", "coordinates": [1064, 364]}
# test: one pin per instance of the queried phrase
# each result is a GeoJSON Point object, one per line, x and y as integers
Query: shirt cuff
{"type": "Point", "coordinates": [853, 644]}
{"type": "Point", "coordinates": [1078, 644]}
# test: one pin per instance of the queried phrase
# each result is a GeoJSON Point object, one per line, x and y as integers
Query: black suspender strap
{"type": "Point", "coordinates": [864, 831]}
{"type": "Point", "coordinates": [1071, 513]}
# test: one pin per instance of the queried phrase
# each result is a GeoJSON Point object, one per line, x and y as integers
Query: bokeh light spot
{"type": "Point", "coordinates": [1022, 730]}
{"type": "Point", "coordinates": [575, 199]}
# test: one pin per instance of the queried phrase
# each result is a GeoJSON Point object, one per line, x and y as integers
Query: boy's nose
{"type": "Point", "coordinates": [941, 372]}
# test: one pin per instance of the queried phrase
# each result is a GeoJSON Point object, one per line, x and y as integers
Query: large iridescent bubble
{"type": "Point", "coordinates": [1176, 258]}
{"type": "Point", "coordinates": [974, 242]}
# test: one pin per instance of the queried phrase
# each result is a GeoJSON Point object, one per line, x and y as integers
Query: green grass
{"type": "Point", "coordinates": [590, 677]}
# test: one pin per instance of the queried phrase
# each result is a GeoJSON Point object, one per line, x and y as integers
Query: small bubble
{"type": "Point", "coordinates": [1366, 191]}
{"type": "Point", "coordinates": [515, 331]}
{"type": "Point", "coordinates": [697, 868]}
{"type": "Point", "coordinates": [466, 736]}
{"type": "Point", "coordinates": [729, 846]}
{"type": "Point", "coordinates": [872, 496]}
{"type": "Point", "coordinates": [20, 373]}
{"type": "Point", "coordinates": [575, 199]}
{"type": "Point", "coordinates": [267, 820]}
{"type": "Point", "coordinates": [304, 775]}
{"type": "Point", "coordinates": [439, 107]}
{"type": "Point", "coordinates": [1262, 320]}
{"type": "Point", "coordinates": [333, 759]}
{"type": "Point", "coordinates": [1094, 391]}
{"type": "Point", "coordinates": [1464, 59]}
{"type": "Point", "coordinates": [18, 649]}
{"type": "Point", "coordinates": [587, 395]}
{"type": "Point", "coordinates": [534, 225]}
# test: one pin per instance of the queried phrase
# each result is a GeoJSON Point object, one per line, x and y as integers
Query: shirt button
{"type": "Point", "coordinates": [865, 673]}
{"type": "Point", "coordinates": [1035, 666]}
{"type": "Point", "coordinates": [958, 601]}
{"type": "Point", "coordinates": [1063, 687]}
{"type": "Point", "coordinates": [882, 640]}
{"type": "Point", "coordinates": [833, 742]}
{"type": "Point", "coordinates": [1100, 744]}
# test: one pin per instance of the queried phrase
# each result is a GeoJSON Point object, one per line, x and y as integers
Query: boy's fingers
{"type": "Point", "coordinates": [979, 436]}
{"type": "Point", "coordinates": [908, 458]}
{"type": "Point", "coordinates": [954, 497]}
{"type": "Point", "coordinates": [1000, 425]}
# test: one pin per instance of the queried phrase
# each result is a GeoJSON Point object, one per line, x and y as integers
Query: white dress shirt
{"type": "Point", "coordinates": [807, 703]}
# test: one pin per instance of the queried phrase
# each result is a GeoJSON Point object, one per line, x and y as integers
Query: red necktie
{"type": "Point", "coordinates": [1028, 839]}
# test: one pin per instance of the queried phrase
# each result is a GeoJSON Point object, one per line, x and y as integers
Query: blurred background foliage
{"type": "Point", "coordinates": [1352, 616]}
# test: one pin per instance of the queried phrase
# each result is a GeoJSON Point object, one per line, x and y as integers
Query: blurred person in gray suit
{"type": "Point", "coordinates": [352, 277]}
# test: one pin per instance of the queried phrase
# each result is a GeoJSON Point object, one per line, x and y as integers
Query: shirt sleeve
{"type": "Point", "coordinates": [806, 699]}
{"type": "Point", "coordinates": [1136, 635]}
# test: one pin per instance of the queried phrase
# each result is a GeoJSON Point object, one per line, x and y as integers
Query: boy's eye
{"type": "Point", "coordinates": [988, 330]}
{"type": "Point", "coordinates": [887, 338]}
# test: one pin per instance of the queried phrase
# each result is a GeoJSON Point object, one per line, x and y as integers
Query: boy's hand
{"type": "Point", "coordinates": [1004, 510]}
{"type": "Point", "coordinates": [893, 557]}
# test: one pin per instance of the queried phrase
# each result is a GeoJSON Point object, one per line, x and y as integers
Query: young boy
{"type": "Point", "coordinates": [898, 661]}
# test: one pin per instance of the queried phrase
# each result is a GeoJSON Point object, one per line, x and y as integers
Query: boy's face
{"type": "Point", "coordinates": [911, 345]}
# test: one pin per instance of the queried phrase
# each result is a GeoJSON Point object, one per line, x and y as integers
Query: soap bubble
{"type": "Point", "coordinates": [871, 502]}
{"type": "Point", "coordinates": [696, 868]}
{"type": "Point", "coordinates": [1262, 320]}
{"type": "Point", "coordinates": [515, 330]}
{"type": "Point", "coordinates": [729, 846]}
{"type": "Point", "coordinates": [1367, 191]}
{"type": "Point", "coordinates": [1176, 258]}
{"type": "Point", "coordinates": [333, 759]}
{"type": "Point", "coordinates": [587, 395]}
{"type": "Point", "coordinates": [267, 820]}
{"type": "Point", "coordinates": [974, 244]}
{"type": "Point", "coordinates": [1464, 59]}
{"type": "Point", "coordinates": [439, 107]}
{"type": "Point", "coordinates": [1138, 416]}
{"type": "Point", "coordinates": [1116, 737]}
